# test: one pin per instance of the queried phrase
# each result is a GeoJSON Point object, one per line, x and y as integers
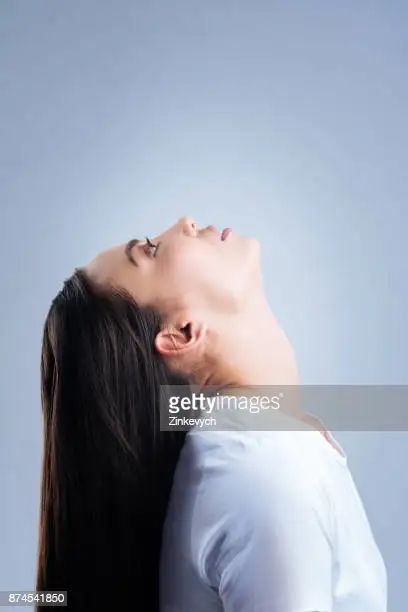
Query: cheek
{"type": "Point", "coordinates": [210, 273]}
{"type": "Point", "coordinates": [180, 274]}
{"type": "Point", "coordinates": [192, 272]}
{"type": "Point", "coordinates": [180, 261]}
{"type": "Point", "coordinates": [192, 266]}
{"type": "Point", "coordinates": [227, 265]}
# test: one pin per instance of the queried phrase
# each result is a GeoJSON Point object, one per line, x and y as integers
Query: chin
{"type": "Point", "coordinates": [255, 244]}
{"type": "Point", "coordinates": [253, 248]}
{"type": "Point", "coordinates": [251, 263]}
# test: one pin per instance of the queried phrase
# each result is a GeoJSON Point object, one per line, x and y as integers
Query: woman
{"type": "Point", "coordinates": [133, 517]}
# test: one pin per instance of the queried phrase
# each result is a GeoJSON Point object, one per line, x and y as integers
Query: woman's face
{"type": "Point", "coordinates": [190, 268]}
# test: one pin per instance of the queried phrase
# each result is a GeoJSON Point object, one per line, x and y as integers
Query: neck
{"type": "Point", "coordinates": [250, 348]}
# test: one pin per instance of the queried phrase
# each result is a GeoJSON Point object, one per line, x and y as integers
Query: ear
{"type": "Point", "coordinates": [178, 339]}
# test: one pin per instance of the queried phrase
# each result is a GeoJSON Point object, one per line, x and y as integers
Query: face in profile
{"type": "Point", "coordinates": [184, 267]}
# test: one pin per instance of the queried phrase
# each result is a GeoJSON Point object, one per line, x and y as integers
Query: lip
{"type": "Point", "coordinates": [225, 233]}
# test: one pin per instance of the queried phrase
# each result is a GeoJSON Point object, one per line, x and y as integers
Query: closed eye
{"type": "Point", "coordinates": [151, 247]}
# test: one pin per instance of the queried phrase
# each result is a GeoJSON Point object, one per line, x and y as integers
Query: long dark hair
{"type": "Point", "coordinates": [107, 468]}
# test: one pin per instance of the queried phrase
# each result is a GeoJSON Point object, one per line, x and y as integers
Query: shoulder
{"type": "Point", "coordinates": [250, 486]}
{"type": "Point", "coordinates": [265, 462]}
{"type": "Point", "coordinates": [274, 461]}
{"type": "Point", "coordinates": [260, 528]}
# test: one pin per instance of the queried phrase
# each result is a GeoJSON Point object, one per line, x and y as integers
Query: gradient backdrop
{"type": "Point", "coordinates": [285, 120]}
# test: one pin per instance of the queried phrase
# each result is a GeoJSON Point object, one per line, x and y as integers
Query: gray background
{"type": "Point", "coordinates": [285, 120]}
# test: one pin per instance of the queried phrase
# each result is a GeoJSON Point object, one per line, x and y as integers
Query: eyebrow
{"type": "Point", "coordinates": [128, 250]}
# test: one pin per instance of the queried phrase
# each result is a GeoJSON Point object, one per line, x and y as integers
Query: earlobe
{"type": "Point", "coordinates": [174, 340]}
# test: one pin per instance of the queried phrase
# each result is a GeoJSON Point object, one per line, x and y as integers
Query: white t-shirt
{"type": "Point", "coordinates": [267, 521]}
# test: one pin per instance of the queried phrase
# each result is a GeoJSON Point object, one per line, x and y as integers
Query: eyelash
{"type": "Point", "coordinates": [150, 245]}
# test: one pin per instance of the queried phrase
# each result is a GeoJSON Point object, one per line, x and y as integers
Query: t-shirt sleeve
{"type": "Point", "coordinates": [270, 549]}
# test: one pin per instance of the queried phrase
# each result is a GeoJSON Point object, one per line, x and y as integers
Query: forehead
{"type": "Point", "coordinates": [107, 263]}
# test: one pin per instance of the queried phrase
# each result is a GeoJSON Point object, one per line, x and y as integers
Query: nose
{"type": "Point", "coordinates": [188, 225]}
{"type": "Point", "coordinates": [185, 225]}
